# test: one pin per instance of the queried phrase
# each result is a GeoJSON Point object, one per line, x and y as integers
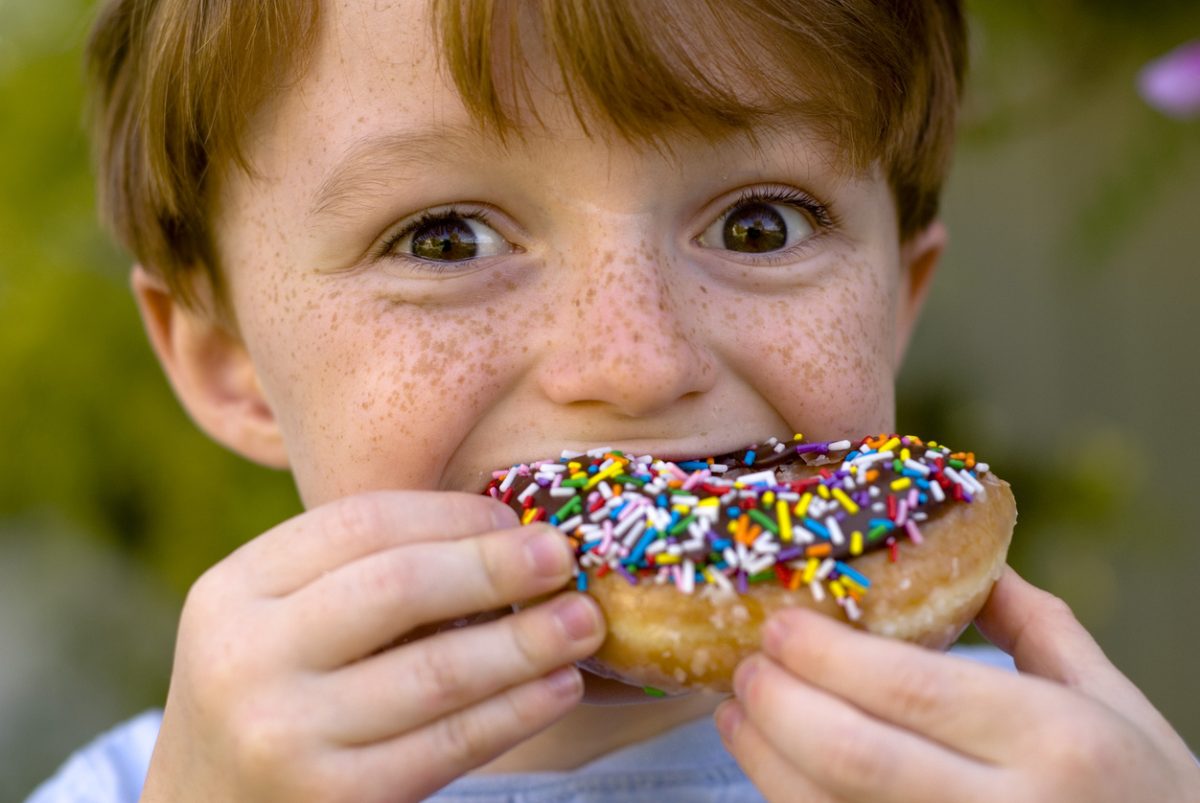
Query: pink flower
{"type": "Point", "coordinates": [1171, 84]}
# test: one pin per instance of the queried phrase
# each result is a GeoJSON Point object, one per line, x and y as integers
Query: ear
{"type": "Point", "coordinates": [919, 258]}
{"type": "Point", "coordinates": [210, 371]}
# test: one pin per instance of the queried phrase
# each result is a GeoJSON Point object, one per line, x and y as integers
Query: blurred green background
{"type": "Point", "coordinates": [1059, 343]}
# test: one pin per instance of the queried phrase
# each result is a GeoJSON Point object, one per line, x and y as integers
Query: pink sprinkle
{"type": "Point", "coordinates": [913, 533]}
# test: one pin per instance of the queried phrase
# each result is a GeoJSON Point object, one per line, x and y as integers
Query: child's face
{"type": "Point", "coordinates": [609, 302]}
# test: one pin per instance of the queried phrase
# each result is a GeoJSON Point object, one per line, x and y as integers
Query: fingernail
{"type": "Point", "coordinates": [577, 616]}
{"type": "Point", "coordinates": [565, 682]}
{"type": "Point", "coordinates": [729, 716]}
{"type": "Point", "coordinates": [547, 551]}
{"type": "Point", "coordinates": [744, 675]}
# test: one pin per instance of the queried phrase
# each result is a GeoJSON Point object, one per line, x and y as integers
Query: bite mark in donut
{"type": "Point", "coordinates": [687, 559]}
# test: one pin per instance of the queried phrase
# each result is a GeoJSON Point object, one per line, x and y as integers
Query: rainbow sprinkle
{"type": "Point", "coordinates": [723, 524]}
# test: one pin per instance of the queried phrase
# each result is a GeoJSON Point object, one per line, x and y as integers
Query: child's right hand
{"type": "Point", "coordinates": [293, 678]}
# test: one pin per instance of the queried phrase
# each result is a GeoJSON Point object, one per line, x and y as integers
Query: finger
{"type": "Point", "coordinates": [1044, 638]}
{"type": "Point", "coordinates": [846, 752]}
{"type": "Point", "coordinates": [774, 776]}
{"type": "Point", "coordinates": [296, 552]}
{"type": "Point", "coordinates": [370, 603]}
{"type": "Point", "coordinates": [401, 689]}
{"type": "Point", "coordinates": [425, 760]}
{"type": "Point", "coordinates": [911, 687]}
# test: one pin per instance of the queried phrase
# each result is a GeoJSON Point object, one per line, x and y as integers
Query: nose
{"type": "Point", "coordinates": [630, 343]}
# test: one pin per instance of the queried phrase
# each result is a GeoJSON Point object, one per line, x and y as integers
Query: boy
{"type": "Point", "coordinates": [392, 247]}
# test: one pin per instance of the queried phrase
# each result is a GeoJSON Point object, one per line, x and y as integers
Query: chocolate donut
{"type": "Point", "coordinates": [893, 534]}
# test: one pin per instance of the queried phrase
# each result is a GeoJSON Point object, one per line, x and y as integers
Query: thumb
{"type": "Point", "coordinates": [1045, 639]}
{"type": "Point", "coordinates": [1040, 632]}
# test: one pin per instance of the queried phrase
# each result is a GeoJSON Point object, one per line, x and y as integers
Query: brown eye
{"type": "Point", "coordinates": [755, 228]}
{"type": "Point", "coordinates": [450, 237]}
{"type": "Point", "coordinates": [758, 227]}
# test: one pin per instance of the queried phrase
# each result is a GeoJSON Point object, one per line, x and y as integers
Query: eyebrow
{"type": "Point", "coordinates": [372, 165]}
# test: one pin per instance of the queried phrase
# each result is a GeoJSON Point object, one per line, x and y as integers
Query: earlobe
{"type": "Point", "coordinates": [919, 256]}
{"type": "Point", "coordinates": [211, 372]}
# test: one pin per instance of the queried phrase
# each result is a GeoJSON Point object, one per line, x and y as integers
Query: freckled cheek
{"type": "Point", "coordinates": [823, 360]}
{"type": "Point", "coordinates": [383, 400]}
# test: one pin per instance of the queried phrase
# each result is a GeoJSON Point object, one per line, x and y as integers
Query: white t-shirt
{"type": "Point", "coordinates": [686, 764]}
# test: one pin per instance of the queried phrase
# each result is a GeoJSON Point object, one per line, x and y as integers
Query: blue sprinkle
{"type": "Point", "coordinates": [749, 461]}
{"type": "Point", "coordinates": [721, 544]}
{"type": "Point", "coordinates": [693, 465]}
{"type": "Point", "coordinates": [885, 523]}
{"type": "Point", "coordinates": [581, 581]}
{"type": "Point", "coordinates": [853, 575]}
{"type": "Point", "coordinates": [816, 527]}
{"type": "Point", "coordinates": [733, 512]}
{"type": "Point", "coordinates": [593, 468]}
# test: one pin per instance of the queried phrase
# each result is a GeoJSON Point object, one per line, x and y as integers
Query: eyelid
{"type": "Point", "coordinates": [484, 213]}
{"type": "Point", "coordinates": [825, 221]}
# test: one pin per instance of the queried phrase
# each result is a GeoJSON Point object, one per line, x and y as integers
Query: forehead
{"type": "Point", "coordinates": [399, 60]}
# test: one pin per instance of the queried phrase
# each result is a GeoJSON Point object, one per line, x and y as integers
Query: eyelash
{"type": "Point", "coordinates": [425, 218]}
{"type": "Point", "coordinates": [823, 218]}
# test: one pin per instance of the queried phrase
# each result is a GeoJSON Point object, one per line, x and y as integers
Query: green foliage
{"type": "Point", "coordinates": [90, 430]}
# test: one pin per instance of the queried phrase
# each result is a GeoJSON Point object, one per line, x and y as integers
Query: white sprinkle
{"type": "Point", "coordinates": [937, 492]}
{"type": "Point", "coordinates": [561, 492]}
{"type": "Point", "coordinates": [687, 577]}
{"type": "Point", "coordinates": [570, 524]}
{"type": "Point", "coordinates": [825, 568]}
{"type": "Point", "coordinates": [817, 591]}
{"type": "Point", "coordinates": [837, 446]}
{"type": "Point", "coordinates": [766, 477]}
{"type": "Point", "coordinates": [509, 479]}
{"type": "Point", "coordinates": [851, 607]}
{"type": "Point", "coordinates": [920, 468]}
{"type": "Point", "coordinates": [529, 491]}
{"type": "Point", "coordinates": [569, 455]}
{"type": "Point", "coordinates": [835, 531]}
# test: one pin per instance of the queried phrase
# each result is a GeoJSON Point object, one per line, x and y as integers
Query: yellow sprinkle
{"type": "Point", "coordinates": [802, 505]}
{"type": "Point", "coordinates": [836, 587]}
{"type": "Point", "coordinates": [709, 501]}
{"type": "Point", "coordinates": [708, 575]}
{"type": "Point", "coordinates": [768, 498]}
{"type": "Point", "coordinates": [856, 543]}
{"type": "Point", "coordinates": [848, 503]}
{"type": "Point", "coordinates": [574, 467]}
{"type": "Point", "coordinates": [810, 569]}
{"type": "Point", "coordinates": [664, 558]}
{"type": "Point", "coordinates": [901, 484]}
{"type": "Point", "coordinates": [822, 491]}
{"type": "Point", "coordinates": [798, 437]}
{"type": "Point", "coordinates": [785, 521]}
{"type": "Point", "coordinates": [890, 445]}
{"type": "Point", "coordinates": [850, 584]}
{"type": "Point", "coordinates": [905, 454]}
{"type": "Point", "coordinates": [528, 515]}
{"type": "Point", "coordinates": [599, 476]}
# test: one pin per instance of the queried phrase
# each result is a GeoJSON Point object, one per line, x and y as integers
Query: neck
{"type": "Point", "coordinates": [593, 730]}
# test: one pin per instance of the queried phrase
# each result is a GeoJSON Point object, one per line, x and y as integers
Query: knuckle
{"type": "Point", "coordinates": [913, 697]}
{"type": "Point", "coordinates": [359, 516]}
{"type": "Point", "coordinates": [387, 576]}
{"type": "Point", "coordinates": [460, 739]}
{"type": "Point", "coordinates": [852, 759]}
{"type": "Point", "coordinates": [263, 736]}
{"type": "Point", "coordinates": [439, 677]}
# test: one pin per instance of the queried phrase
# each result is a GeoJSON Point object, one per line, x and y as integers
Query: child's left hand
{"type": "Point", "coordinates": [829, 713]}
